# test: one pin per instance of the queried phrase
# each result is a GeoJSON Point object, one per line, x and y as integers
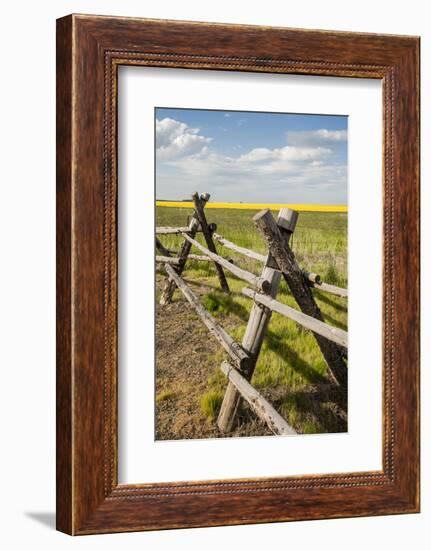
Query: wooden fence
{"type": "Point", "coordinates": [279, 262]}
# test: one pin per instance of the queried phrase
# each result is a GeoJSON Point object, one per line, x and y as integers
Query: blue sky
{"type": "Point", "coordinates": [251, 156]}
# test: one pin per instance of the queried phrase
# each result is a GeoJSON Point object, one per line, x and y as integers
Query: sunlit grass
{"type": "Point", "coordinates": [319, 241]}
{"type": "Point", "coordinates": [290, 361]}
{"type": "Point", "coordinates": [210, 403]}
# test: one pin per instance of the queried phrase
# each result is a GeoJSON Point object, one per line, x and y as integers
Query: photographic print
{"type": "Point", "coordinates": [213, 209]}
{"type": "Point", "coordinates": [251, 273]}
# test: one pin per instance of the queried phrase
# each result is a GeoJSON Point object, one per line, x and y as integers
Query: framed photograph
{"type": "Point", "coordinates": [237, 274]}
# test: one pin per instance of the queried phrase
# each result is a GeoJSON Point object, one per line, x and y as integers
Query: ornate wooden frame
{"type": "Point", "coordinates": [89, 51]}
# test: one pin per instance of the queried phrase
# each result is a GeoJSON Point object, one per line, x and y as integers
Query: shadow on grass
{"type": "Point", "coordinates": [321, 408]}
{"type": "Point", "coordinates": [318, 410]}
{"type": "Point", "coordinates": [334, 322]}
{"type": "Point", "coordinates": [215, 287]}
{"type": "Point", "coordinates": [278, 345]}
{"type": "Point", "coordinates": [219, 303]}
{"type": "Point", "coordinates": [321, 296]}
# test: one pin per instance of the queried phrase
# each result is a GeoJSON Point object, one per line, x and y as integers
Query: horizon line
{"type": "Point", "coordinates": [257, 205]}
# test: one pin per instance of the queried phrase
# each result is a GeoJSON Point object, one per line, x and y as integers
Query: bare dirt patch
{"type": "Point", "coordinates": [185, 358]}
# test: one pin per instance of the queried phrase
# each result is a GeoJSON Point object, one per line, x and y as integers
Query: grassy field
{"type": "Point", "coordinates": [291, 372]}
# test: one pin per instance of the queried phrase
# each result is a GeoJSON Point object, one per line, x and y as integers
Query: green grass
{"type": "Point", "coordinates": [290, 362]}
{"type": "Point", "coordinates": [320, 238]}
{"type": "Point", "coordinates": [210, 404]}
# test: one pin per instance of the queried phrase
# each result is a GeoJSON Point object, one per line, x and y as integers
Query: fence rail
{"type": "Point", "coordinates": [264, 410]}
{"type": "Point", "coordinates": [334, 334]}
{"type": "Point", "coordinates": [314, 279]}
{"type": "Point", "coordinates": [258, 282]}
{"type": "Point", "coordinates": [279, 262]}
{"type": "Point", "coordinates": [338, 291]}
{"type": "Point", "coordinates": [179, 230]}
{"type": "Point", "coordinates": [176, 261]}
{"type": "Point", "coordinates": [240, 249]}
{"type": "Point", "coordinates": [171, 230]}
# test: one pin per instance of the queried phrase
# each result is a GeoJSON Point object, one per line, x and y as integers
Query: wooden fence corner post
{"type": "Point", "coordinates": [301, 291]}
{"type": "Point", "coordinates": [183, 253]}
{"type": "Point", "coordinates": [199, 209]}
{"type": "Point", "coordinates": [256, 329]}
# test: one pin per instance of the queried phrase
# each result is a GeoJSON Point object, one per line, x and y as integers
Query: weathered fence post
{"type": "Point", "coordinates": [199, 209]}
{"type": "Point", "coordinates": [170, 285]}
{"type": "Point", "coordinates": [256, 328]}
{"type": "Point", "coordinates": [301, 291]}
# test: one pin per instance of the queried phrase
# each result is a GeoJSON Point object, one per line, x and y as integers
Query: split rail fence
{"type": "Point", "coordinates": [279, 262]}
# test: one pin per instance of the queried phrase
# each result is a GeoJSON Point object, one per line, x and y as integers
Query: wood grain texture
{"type": "Point", "coordinates": [300, 290]}
{"type": "Point", "coordinates": [264, 410]}
{"type": "Point", "coordinates": [255, 330]}
{"type": "Point", "coordinates": [199, 209]}
{"type": "Point", "coordinates": [90, 49]}
{"type": "Point", "coordinates": [259, 282]}
{"type": "Point", "coordinates": [183, 254]}
{"type": "Point", "coordinates": [329, 332]}
{"type": "Point", "coordinates": [64, 497]}
{"type": "Point", "coordinates": [239, 249]}
{"type": "Point", "coordinates": [332, 289]}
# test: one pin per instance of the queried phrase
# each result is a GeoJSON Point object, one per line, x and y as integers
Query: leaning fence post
{"type": "Point", "coordinates": [170, 285]}
{"type": "Point", "coordinates": [199, 209]}
{"type": "Point", "coordinates": [256, 328]}
{"type": "Point", "coordinates": [301, 291]}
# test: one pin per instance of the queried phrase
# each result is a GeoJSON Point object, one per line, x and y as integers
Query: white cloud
{"type": "Point", "coordinates": [288, 153]}
{"type": "Point", "coordinates": [316, 138]}
{"type": "Point", "coordinates": [293, 173]}
{"type": "Point", "coordinates": [176, 139]}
